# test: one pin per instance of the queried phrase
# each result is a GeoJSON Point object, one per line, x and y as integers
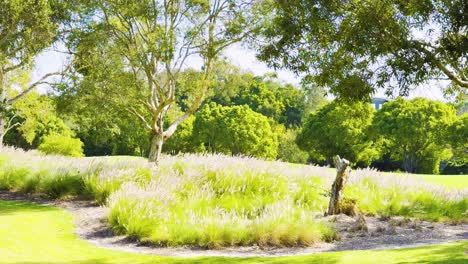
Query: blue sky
{"type": "Point", "coordinates": [50, 61]}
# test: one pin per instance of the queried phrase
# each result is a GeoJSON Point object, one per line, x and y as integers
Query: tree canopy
{"type": "Point", "coordinates": [355, 47]}
{"type": "Point", "coordinates": [339, 129]}
{"type": "Point", "coordinates": [416, 131]}
{"type": "Point", "coordinates": [235, 130]}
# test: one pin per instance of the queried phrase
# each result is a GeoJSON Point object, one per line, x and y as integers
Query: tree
{"type": "Point", "coordinates": [294, 101]}
{"type": "Point", "coordinates": [339, 129]}
{"type": "Point", "coordinates": [458, 138]}
{"type": "Point", "coordinates": [151, 41]}
{"type": "Point", "coordinates": [354, 47]}
{"type": "Point", "coordinates": [458, 135]}
{"type": "Point", "coordinates": [261, 98]}
{"type": "Point", "coordinates": [27, 28]}
{"type": "Point", "coordinates": [283, 103]}
{"type": "Point", "coordinates": [35, 117]}
{"type": "Point", "coordinates": [105, 128]}
{"type": "Point", "coordinates": [224, 87]}
{"type": "Point", "coordinates": [416, 132]}
{"type": "Point", "coordinates": [235, 130]}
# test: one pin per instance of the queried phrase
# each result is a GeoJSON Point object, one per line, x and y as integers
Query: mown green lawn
{"type": "Point", "coordinates": [450, 181]}
{"type": "Point", "coordinates": [456, 181]}
{"type": "Point", "coordinates": [33, 234]}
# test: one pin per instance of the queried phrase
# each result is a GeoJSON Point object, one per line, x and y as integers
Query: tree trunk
{"type": "Point", "coordinates": [3, 103]}
{"type": "Point", "coordinates": [157, 141]}
{"type": "Point", "coordinates": [2, 129]}
{"type": "Point", "coordinates": [342, 174]}
{"type": "Point", "coordinates": [409, 162]}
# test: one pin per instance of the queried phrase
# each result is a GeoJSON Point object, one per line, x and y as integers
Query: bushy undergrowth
{"type": "Point", "coordinates": [216, 201]}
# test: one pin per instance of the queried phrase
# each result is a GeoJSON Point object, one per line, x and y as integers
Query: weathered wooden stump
{"type": "Point", "coordinates": [342, 175]}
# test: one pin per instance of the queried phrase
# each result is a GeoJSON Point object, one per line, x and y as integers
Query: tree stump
{"type": "Point", "coordinates": [342, 175]}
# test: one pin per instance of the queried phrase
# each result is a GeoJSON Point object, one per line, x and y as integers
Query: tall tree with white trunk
{"type": "Point", "coordinates": [150, 43]}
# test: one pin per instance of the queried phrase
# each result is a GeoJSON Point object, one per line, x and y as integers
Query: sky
{"type": "Point", "coordinates": [242, 57]}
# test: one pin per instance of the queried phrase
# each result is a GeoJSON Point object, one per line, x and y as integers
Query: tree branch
{"type": "Point", "coordinates": [173, 127]}
{"type": "Point", "coordinates": [10, 126]}
{"type": "Point", "coordinates": [15, 66]}
{"type": "Point", "coordinates": [438, 63]}
{"type": "Point", "coordinates": [142, 118]}
{"type": "Point", "coordinates": [34, 85]}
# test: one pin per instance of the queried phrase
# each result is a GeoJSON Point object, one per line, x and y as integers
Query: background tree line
{"type": "Point", "coordinates": [260, 116]}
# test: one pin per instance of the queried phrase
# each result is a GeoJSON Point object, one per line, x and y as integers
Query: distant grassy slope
{"type": "Point", "coordinates": [33, 234]}
{"type": "Point", "coordinates": [455, 181]}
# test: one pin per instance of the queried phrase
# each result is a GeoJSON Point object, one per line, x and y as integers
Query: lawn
{"type": "Point", "coordinates": [451, 181]}
{"type": "Point", "coordinates": [31, 233]}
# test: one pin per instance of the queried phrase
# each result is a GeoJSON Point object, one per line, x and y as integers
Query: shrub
{"type": "Point", "coordinates": [235, 130]}
{"type": "Point", "coordinates": [61, 145]}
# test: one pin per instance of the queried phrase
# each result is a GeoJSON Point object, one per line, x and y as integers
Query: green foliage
{"type": "Point", "coordinates": [260, 98]}
{"type": "Point", "coordinates": [355, 47]}
{"type": "Point", "coordinates": [339, 129]}
{"type": "Point", "coordinates": [61, 145]}
{"type": "Point", "coordinates": [283, 103]}
{"type": "Point", "coordinates": [458, 135]}
{"type": "Point", "coordinates": [288, 150]}
{"type": "Point", "coordinates": [27, 28]}
{"type": "Point", "coordinates": [416, 132]}
{"type": "Point", "coordinates": [458, 138]}
{"type": "Point", "coordinates": [235, 130]}
{"type": "Point", "coordinates": [38, 118]}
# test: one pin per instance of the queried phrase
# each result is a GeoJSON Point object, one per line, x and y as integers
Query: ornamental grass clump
{"type": "Point", "coordinates": [405, 196]}
{"type": "Point", "coordinates": [59, 176]}
{"type": "Point", "coordinates": [213, 207]}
